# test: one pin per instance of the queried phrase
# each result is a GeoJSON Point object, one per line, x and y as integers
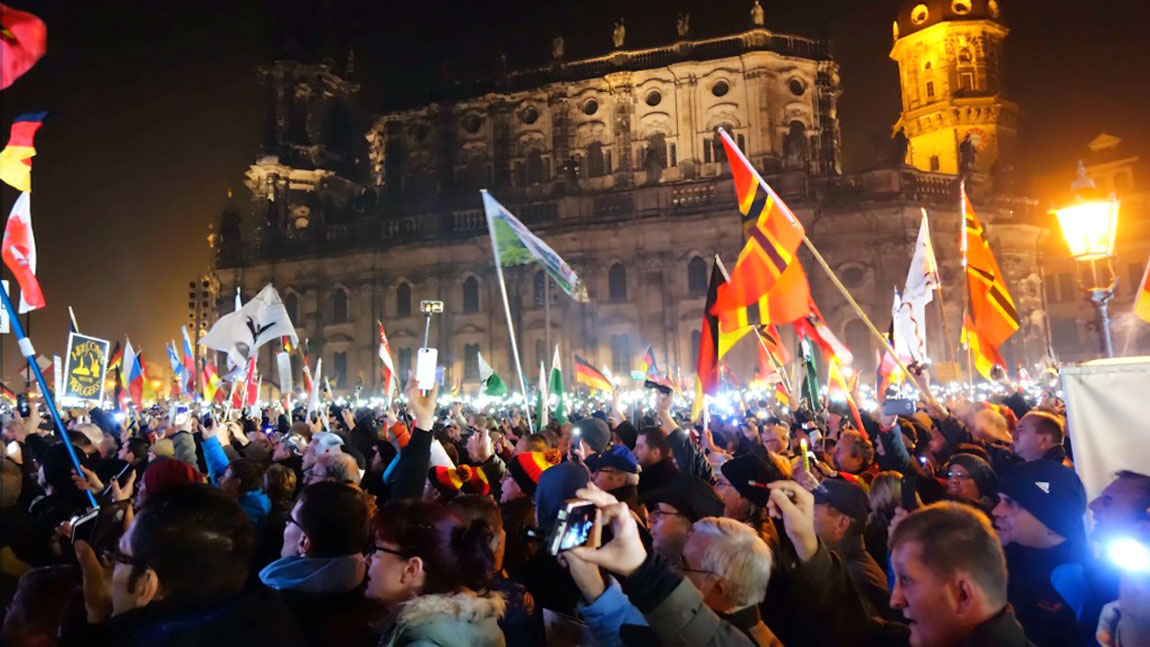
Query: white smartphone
{"type": "Point", "coordinates": [425, 362]}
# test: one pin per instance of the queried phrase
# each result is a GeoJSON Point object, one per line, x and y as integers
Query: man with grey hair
{"type": "Point", "coordinates": [334, 466]}
{"type": "Point", "coordinates": [730, 565]}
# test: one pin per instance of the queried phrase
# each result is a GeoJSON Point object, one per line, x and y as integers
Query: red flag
{"type": "Point", "coordinates": [19, 252]}
{"type": "Point", "coordinates": [388, 370]}
{"type": "Point", "coordinates": [815, 327]}
{"type": "Point", "coordinates": [23, 41]}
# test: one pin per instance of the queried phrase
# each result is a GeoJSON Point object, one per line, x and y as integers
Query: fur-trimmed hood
{"type": "Point", "coordinates": [448, 620]}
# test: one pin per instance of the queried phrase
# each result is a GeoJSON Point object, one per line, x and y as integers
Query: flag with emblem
{"type": "Point", "coordinates": [772, 233]}
{"type": "Point", "coordinates": [489, 381]}
{"type": "Point", "coordinates": [992, 313]}
{"type": "Point", "coordinates": [18, 250]}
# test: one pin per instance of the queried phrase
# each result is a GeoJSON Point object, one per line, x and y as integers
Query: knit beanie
{"type": "Point", "coordinates": [165, 473]}
{"type": "Point", "coordinates": [449, 481]}
{"type": "Point", "coordinates": [981, 472]}
{"type": "Point", "coordinates": [1051, 492]}
{"type": "Point", "coordinates": [527, 467]}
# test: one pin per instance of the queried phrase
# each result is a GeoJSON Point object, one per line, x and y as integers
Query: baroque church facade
{"type": "Point", "coordinates": [615, 162]}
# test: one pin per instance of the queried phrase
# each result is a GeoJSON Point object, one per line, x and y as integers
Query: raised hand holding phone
{"type": "Point", "coordinates": [421, 404]}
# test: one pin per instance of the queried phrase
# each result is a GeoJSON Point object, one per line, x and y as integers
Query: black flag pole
{"type": "Point", "coordinates": [29, 353]}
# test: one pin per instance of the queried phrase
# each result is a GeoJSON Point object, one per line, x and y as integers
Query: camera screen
{"type": "Point", "coordinates": [576, 527]}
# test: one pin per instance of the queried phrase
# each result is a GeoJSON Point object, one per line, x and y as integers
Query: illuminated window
{"type": "Point", "coordinates": [919, 14]}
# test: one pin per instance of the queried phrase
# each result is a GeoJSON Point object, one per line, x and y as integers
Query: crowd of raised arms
{"type": "Point", "coordinates": [960, 524]}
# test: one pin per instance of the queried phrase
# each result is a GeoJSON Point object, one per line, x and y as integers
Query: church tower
{"type": "Point", "coordinates": [949, 55]}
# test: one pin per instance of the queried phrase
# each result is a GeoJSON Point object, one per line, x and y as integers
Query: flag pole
{"type": "Point", "coordinates": [507, 311]}
{"type": "Point", "coordinates": [29, 353]}
{"type": "Point", "coordinates": [758, 335]}
{"type": "Point", "coordinates": [835, 279]}
{"type": "Point", "coordinates": [965, 288]}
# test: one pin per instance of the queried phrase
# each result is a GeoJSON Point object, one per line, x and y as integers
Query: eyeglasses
{"type": "Point", "coordinates": [659, 512]}
{"type": "Point", "coordinates": [292, 520]}
{"type": "Point", "coordinates": [384, 549]}
{"type": "Point", "coordinates": [116, 556]}
{"type": "Point", "coordinates": [958, 476]}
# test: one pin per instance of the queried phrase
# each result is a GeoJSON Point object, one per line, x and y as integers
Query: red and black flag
{"type": "Point", "coordinates": [707, 363]}
{"type": "Point", "coordinates": [992, 317]}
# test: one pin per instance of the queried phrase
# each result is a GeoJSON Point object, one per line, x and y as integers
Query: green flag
{"type": "Point", "coordinates": [556, 388]}
{"type": "Point", "coordinates": [489, 382]}
{"type": "Point", "coordinates": [515, 245]}
{"type": "Point", "coordinates": [541, 399]}
{"type": "Point", "coordinates": [810, 390]}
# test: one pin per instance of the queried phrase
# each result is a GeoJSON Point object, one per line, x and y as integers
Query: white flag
{"type": "Point", "coordinates": [903, 328]}
{"type": "Point", "coordinates": [241, 333]}
{"type": "Point", "coordinates": [921, 281]}
{"type": "Point", "coordinates": [313, 397]}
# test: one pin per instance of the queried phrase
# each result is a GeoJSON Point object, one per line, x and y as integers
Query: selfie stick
{"type": "Point", "coordinates": [29, 353]}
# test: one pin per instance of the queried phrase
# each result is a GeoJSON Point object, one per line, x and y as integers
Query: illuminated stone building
{"type": "Point", "coordinates": [615, 162]}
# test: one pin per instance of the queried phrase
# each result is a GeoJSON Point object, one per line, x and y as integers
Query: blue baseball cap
{"type": "Point", "coordinates": [617, 457]}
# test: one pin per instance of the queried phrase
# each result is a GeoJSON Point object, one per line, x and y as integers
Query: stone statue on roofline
{"type": "Point", "coordinates": [557, 47]}
{"type": "Point", "coordinates": [757, 14]}
{"type": "Point", "coordinates": [619, 34]}
{"type": "Point", "coordinates": [683, 24]}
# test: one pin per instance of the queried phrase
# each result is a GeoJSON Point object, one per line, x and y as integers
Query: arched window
{"type": "Point", "coordinates": [617, 283]}
{"type": "Point", "coordinates": [857, 338]}
{"type": "Point", "coordinates": [471, 362]}
{"type": "Point", "coordinates": [534, 167]}
{"type": "Point", "coordinates": [697, 277]}
{"type": "Point", "coordinates": [539, 288]}
{"type": "Point", "coordinates": [620, 354]}
{"type": "Point", "coordinates": [657, 147]}
{"type": "Point", "coordinates": [403, 364]}
{"type": "Point", "coordinates": [291, 305]}
{"type": "Point", "coordinates": [339, 367]}
{"type": "Point", "coordinates": [470, 295]}
{"type": "Point", "coordinates": [595, 160]}
{"type": "Point", "coordinates": [339, 305]}
{"type": "Point", "coordinates": [696, 341]}
{"type": "Point", "coordinates": [403, 300]}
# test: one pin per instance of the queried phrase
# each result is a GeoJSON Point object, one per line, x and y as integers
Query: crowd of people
{"type": "Point", "coordinates": [960, 524]}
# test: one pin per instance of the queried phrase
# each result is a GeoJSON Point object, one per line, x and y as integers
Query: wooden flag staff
{"type": "Point", "coordinates": [834, 278]}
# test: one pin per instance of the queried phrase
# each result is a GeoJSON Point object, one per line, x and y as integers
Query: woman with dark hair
{"type": "Point", "coordinates": [970, 479]}
{"type": "Point", "coordinates": [434, 573]}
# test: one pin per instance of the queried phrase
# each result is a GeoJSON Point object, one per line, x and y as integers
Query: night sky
{"type": "Point", "coordinates": [157, 111]}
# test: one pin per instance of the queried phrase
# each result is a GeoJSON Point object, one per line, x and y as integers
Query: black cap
{"type": "Point", "coordinates": [844, 496]}
{"type": "Point", "coordinates": [594, 432]}
{"type": "Point", "coordinates": [742, 470]}
{"type": "Point", "coordinates": [690, 495]}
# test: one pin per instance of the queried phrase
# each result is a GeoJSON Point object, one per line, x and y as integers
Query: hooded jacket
{"type": "Point", "coordinates": [325, 595]}
{"type": "Point", "coordinates": [448, 620]}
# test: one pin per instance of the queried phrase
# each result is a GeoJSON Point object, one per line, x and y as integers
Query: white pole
{"type": "Point", "coordinates": [507, 311]}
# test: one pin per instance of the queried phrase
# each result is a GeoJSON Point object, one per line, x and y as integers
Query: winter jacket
{"type": "Point", "coordinates": [868, 578]}
{"type": "Point", "coordinates": [657, 476]}
{"type": "Point", "coordinates": [255, 503]}
{"type": "Point", "coordinates": [607, 613]}
{"type": "Point", "coordinates": [1047, 618]}
{"type": "Point", "coordinates": [447, 620]}
{"type": "Point", "coordinates": [688, 457]}
{"type": "Point", "coordinates": [674, 609]}
{"type": "Point", "coordinates": [823, 589]}
{"type": "Point", "coordinates": [255, 617]}
{"type": "Point", "coordinates": [518, 520]}
{"type": "Point", "coordinates": [411, 466]}
{"type": "Point", "coordinates": [325, 595]}
{"type": "Point", "coordinates": [185, 447]}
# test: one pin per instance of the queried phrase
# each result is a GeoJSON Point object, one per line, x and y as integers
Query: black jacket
{"type": "Point", "coordinates": [255, 617]}
{"type": "Point", "coordinates": [657, 476]}
{"type": "Point", "coordinates": [1047, 618]}
{"type": "Point", "coordinates": [518, 519]}
{"type": "Point", "coordinates": [823, 590]}
{"type": "Point", "coordinates": [335, 618]}
{"type": "Point", "coordinates": [868, 578]}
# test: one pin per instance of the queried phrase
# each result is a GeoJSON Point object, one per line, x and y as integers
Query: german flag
{"type": "Point", "coordinates": [707, 363]}
{"type": "Point", "coordinates": [16, 158]}
{"type": "Point", "coordinates": [781, 395]}
{"type": "Point", "coordinates": [992, 311]}
{"type": "Point", "coordinates": [589, 376]}
{"type": "Point", "coordinates": [772, 232]}
{"type": "Point", "coordinates": [647, 361]}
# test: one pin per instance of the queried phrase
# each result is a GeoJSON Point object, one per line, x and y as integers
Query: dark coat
{"type": "Point", "coordinates": [255, 617]}
{"type": "Point", "coordinates": [1047, 618]}
{"type": "Point", "coordinates": [344, 619]}
{"type": "Point", "coordinates": [518, 521]}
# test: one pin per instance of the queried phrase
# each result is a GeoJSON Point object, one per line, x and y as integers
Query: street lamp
{"type": "Point", "coordinates": [1089, 223]}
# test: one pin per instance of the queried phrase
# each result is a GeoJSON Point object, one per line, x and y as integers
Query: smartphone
{"type": "Point", "coordinates": [910, 486]}
{"type": "Point", "coordinates": [898, 407]}
{"type": "Point", "coordinates": [178, 414]}
{"type": "Point", "coordinates": [425, 363]}
{"type": "Point", "coordinates": [22, 405]}
{"type": "Point", "coordinates": [659, 386]}
{"type": "Point", "coordinates": [84, 525]}
{"type": "Point", "coordinates": [576, 525]}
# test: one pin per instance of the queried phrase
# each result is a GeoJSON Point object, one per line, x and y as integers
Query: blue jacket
{"type": "Point", "coordinates": [608, 613]}
{"type": "Point", "coordinates": [255, 503]}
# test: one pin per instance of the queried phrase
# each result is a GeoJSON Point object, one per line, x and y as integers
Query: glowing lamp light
{"type": "Point", "coordinates": [1089, 227]}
